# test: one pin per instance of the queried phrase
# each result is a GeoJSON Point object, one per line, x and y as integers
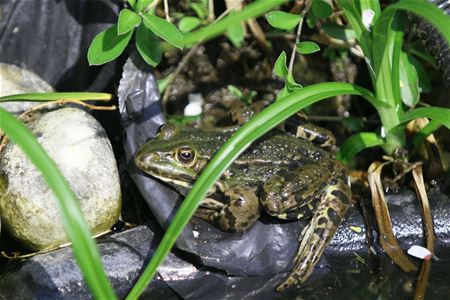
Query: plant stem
{"type": "Point", "coordinates": [297, 37]}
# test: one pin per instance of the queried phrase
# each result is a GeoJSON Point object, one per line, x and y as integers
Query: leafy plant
{"type": "Point", "coordinates": [110, 43]}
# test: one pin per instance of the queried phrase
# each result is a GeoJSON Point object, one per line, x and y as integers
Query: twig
{"type": "Point", "coordinates": [211, 15]}
{"type": "Point", "coordinates": [297, 37]}
{"type": "Point", "coordinates": [419, 184]}
{"type": "Point", "coordinates": [166, 10]}
{"type": "Point", "coordinates": [177, 72]}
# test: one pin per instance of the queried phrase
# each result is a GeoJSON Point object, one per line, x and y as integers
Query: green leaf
{"type": "Point", "coordinates": [282, 20]}
{"type": "Point", "coordinates": [283, 93]}
{"type": "Point", "coordinates": [322, 8]}
{"type": "Point", "coordinates": [409, 81]}
{"type": "Point", "coordinates": [280, 67]}
{"type": "Point", "coordinates": [164, 30]}
{"type": "Point", "coordinates": [76, 228]}
{"type": "Point", "coordinates": [148, 46]}
{"type": "Point", "coordinates": [338, 32]}
{"type": "Point", "coordinates": [236, 34]}
{"type": "Point", "coordinates": [107, 45]}
{"type": "Point", "coordinates": [199, 10]}
{"type": "Point", "coordinates": [307, 47]}
{"type": "Point", "coordinates": [132, 4]}
{"type": "Point", "coordinates": [81, 96]}
{"type": "Point", "coordinates": [438, 114]}
{"type": "Point", "coordinates": [235, 91]}
{"type": "Point", "coordinates": [424, 80]}
{"type": "Point", "coordinates": [292, 84]}
{"type": "Point", "coordinates": [251, 10]}
{"type": "Point", "coordinates": [264, 121]}
{"type": "Point", "coordinates": [422, 134]}
{"type": "Point", "coordinates": [356, 143]}
{"type": "Point", "coordinates": [127, 21]}
{"type": "Point", "coordinates": [189, 23]}
{"type": "Point", "coordinates": [142, 5]}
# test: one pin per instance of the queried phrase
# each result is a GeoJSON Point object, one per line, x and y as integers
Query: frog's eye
{"type": "Point", "coordinates": [185, 155]}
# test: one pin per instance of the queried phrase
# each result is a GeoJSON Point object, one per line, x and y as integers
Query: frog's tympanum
{"type": "Point", "coordinates": [288, 177]}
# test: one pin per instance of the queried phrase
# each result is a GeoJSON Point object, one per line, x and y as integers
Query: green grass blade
{"type": "Point", "coordinates": [233, 147]}
{"type": "Point", "coordinates": [81, 96]}
{"type": "Point", "coordinates": [252, 10]}
{"type": "Point", "coordinates": [437, 114]}
{"type": "Point", "coordinates": [356, 143]}
{"type": "Point", "coordinates": [83, 246]}
{"type": "Point", "coordinates": [422, 134]}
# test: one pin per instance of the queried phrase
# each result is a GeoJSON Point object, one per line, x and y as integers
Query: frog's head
{"type": "Point", "coordinates": [177, 154]}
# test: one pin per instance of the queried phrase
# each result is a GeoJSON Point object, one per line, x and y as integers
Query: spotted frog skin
{"type": "Point", "coordinates": [287, 176]}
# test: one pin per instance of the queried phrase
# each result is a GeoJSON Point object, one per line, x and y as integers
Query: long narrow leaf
{"type": "Point", "coordinates": [356, 143]}
{"type": "Point", "coordinates": [233, 147]}
{"type": "Point", "coordinates": [57, 96]}
{"type": "Point", "coordinates": [437, 114]}
{"type": "Point", "coordinates": [77, 230]}
{"type": "Point", "coordinates": [424, 132]}
{"type": "Point", "coordinates": [251, 10]}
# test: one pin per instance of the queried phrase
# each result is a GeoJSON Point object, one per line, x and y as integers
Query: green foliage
{"type": "Point", "coordinates": [44, 97]}
{"type": "Point", "coordinates": [307, 47]}
{"type": "Point", "coordinates": [322, 8]}
{"type": "Point", "coordinates": [110, 43]}
{"type": "Point", "coordinates": [148, 45]}
{"type": "Point", "coordinates": [107, 45]}
{"type": "Point", "coordinates": [187, 24]}
{"type": "Point", "coordinates": [127, 21]}
{"type": "Point", "coordinates": [247, 98]}
{"type": "Point", "coordinates": [282, 20]}
{"type": "Point", "coordinates": [76, 228]}
{"type": "Point", "coordinates": [356, 143]}
{"type": "Point", "coordinates": [280, 67]}
{"type": "Point", "coordinates": [236, 34]}
{"type": "Point", "coordinates": [164, 30]}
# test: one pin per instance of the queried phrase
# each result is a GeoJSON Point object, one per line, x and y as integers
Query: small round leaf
{"type": "Point", "coordinates": [282, 20]}
{"type": "Point", "coordinates": [127, 21]}
{"type": "Point", "coordinates": [164, 30]}
{"type": "Point", "coordinates": [189, 23]}
{"type": "Point", "coordinates": [280, 68]}
{"type": "Point", "coordinates": [307, 47]}
{"type": "Point", "coordinates": [322, 8]}
{"type": "Point", "coordinates": [148, 46]}
{"type": "Point", "coordinates": [107, 45]}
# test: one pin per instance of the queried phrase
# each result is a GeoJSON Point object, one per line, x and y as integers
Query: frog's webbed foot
{"type": "Point", "coordinates": [316, 235]}
{"type": "Point", "coordinates": [240, 213]}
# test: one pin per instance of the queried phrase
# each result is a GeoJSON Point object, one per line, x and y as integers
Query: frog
{"type": "Point", "coordinates": [284, 174]}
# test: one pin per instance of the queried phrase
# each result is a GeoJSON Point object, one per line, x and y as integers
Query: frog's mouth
{"type": "Point", "coordinates": [166, 171]}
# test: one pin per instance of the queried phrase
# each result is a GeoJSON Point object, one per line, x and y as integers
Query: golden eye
{"type": "Point", "coordinates": [185, 155]}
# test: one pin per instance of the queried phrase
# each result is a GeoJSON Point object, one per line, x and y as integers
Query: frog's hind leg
{"type": "Point", "coordinates": [317, 234]}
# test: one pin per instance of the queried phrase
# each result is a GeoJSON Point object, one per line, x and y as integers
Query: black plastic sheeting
{"type": "Point", "coordinates": [51, 38]}
{"type": "Point", "coordinates": [266, 248]}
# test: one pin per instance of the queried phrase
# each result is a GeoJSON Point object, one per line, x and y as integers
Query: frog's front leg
{"type": "Point", "coordinates": [240, 212]}
{"type": "Point", "coordinates": [317, 135]}
{"type": "Point", "coordinates": [318, 233]}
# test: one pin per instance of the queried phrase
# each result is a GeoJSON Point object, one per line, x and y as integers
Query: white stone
{"type": "Point", "coordinates": [81, 150]}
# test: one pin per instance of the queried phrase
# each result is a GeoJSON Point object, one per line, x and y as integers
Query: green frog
{"type": "Point", "coordinates": [284, 174]}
